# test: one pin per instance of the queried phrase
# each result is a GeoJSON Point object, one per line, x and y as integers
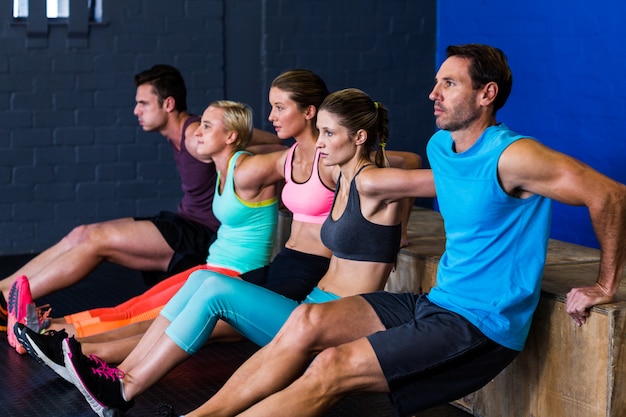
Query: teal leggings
{"type": "Point", "coordinates": [207, 297]}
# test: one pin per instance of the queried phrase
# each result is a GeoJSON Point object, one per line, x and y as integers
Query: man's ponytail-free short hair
{"type": "Point", "coordinates": [166, 81]}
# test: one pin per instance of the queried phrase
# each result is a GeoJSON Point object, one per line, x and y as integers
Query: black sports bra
{"type": "Point", "coordinates": [354, 237]}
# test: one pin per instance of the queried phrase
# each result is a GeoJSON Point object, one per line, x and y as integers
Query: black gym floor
{"type": "Point", "coordinates": [30, 389]}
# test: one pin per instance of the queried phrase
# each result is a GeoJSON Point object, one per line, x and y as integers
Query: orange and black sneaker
{"type": "Point", "coordinates": [3, 313]}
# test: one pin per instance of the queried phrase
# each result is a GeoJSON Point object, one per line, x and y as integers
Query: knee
{"type": "Point", "coordinates": [304, 327]}
{"type": "Point", "coordinates": [206, 286]}
{"type": "Point", "coordinates": [78, 235]}
{"type": "Point", "coordinates": [327, 373]}
{"type": "Point", "coordinates": [95, 237]}
{"type": "Point", "coordinates": [215, 284]}
{"type": "Point", "coordinates": [311, 316]}
{"type": "Point", "coordinates": [196, 279]}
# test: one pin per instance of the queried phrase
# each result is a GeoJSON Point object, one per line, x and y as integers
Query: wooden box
{"type": "Point", "coordinates": [564, 370]}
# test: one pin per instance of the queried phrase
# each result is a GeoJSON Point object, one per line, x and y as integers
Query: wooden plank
{"type": "Point", "coordinates": [568, 253]}
{"type": "Point", "coordinates": [411, 273]}
{"type": "Point", "coordinates": [564, 370]}
{"type": "Point", "coordinates": [547, 380]}
{"type": "Point", "coordinates": [424, 222]}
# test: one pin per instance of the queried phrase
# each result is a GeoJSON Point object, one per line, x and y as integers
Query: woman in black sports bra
{"type": "Point", "coordinates": [361, 227]}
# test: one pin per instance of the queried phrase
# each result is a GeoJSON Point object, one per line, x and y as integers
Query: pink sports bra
{"type": "Point", "coordinates": [310, 201]}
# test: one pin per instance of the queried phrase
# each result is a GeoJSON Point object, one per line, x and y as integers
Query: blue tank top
{"type": "Point", "coordinates": [354, 237]}
{"type": "Point", "coordinates": [496, 244]}
{"type": "Point", "coordinates": [245, 239]}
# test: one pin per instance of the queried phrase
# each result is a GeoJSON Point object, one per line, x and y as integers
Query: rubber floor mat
{"type": "Point", "coordinates": [30, 389]}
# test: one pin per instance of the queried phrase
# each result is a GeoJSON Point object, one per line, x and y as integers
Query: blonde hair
{"type": "Point", "coordinates": [237, 117]}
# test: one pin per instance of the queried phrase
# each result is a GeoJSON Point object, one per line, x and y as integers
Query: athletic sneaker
{"type": "Point", "coordinates": [100, 384]}
{"type": "Point", "coordinates": [19, 299]}
{"type": "Point", "coordinates": [3, 313]}
{"type": "Point", "coordinates": [46, 348]}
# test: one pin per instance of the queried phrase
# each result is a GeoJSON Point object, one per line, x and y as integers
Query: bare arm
{"type": "Point", "coordinates": [393, 184]}
{"type": "Point", "coordinates": [529, 167]}
{"type": "Point", "coordinates": [256, 172]}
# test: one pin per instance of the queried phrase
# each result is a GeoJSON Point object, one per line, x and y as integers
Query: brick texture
{"type": "Point", "coordinates": [70, 148]}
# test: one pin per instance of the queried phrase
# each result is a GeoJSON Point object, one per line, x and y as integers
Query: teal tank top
{"type": "Point", "coordinates": [245, 238]}
{"type": "Point", "coordinates": [496, 244]}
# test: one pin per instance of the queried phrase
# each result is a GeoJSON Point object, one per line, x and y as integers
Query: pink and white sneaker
{"type": "Point", "coordinates": [17, 308]}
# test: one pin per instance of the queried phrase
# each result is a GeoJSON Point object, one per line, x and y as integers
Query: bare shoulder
{"type": "Point", "coordinates": [264, 166]}
{"type": "Point", "coordinates": [529, 167]}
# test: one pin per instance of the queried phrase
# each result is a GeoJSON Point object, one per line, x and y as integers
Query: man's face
{"type": "Point", "coordinates": [151, 116]}
{"type": "Point", "coordinates": [456, 103]}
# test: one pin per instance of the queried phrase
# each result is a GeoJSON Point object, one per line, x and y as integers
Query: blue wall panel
{"type": "Point", "coordinates": [569, 91]}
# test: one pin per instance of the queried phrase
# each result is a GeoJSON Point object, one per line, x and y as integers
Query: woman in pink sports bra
{"type": "Point", "coordinates": [309, 188]}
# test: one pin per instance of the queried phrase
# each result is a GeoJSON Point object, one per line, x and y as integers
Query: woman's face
{"type": "Point", "coordinates": [287, 119]}
{"type": "Point", "coordinates": [211, 136]}
{"type": "Point", "coordinates": [335, 144]}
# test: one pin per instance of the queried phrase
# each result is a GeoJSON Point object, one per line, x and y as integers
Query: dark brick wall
{"type": "Point", "coordinates": [70, 148]}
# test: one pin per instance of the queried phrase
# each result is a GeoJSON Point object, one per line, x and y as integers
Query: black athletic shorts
{"type": "Point", "coordinates": [429, 355]}
{"type": "Point", "coordinates": [292, 273]}
{"type": "Point", "coordinates": [190, 241]}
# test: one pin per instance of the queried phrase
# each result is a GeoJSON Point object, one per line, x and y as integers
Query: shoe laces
{"type": "Point", "coordinates": [37, 318]}
{"type": "Point", "coordinates": [59, 334]}
{"type": "Point", "coordinates": [103, 369]}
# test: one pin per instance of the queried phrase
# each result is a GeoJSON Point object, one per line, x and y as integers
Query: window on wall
{"type": "Point", "coordinates": [58, 9]}
{"type": "Point", "coordinates": [75, 17]}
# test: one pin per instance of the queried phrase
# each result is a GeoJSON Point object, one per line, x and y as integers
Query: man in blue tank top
{"type": "Point", "coordinates": [494, 189]}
